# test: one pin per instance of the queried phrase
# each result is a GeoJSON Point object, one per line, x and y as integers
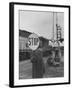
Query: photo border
{"type": "Point", "coordinates": [11, 42]}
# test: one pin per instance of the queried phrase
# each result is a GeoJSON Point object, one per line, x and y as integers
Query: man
{"type": "Point", "coordinates": [37, 64]}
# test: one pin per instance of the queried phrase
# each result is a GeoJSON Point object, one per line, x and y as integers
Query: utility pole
{"type": "Point", "coordinates": [54, 28]}
{"type": "Point", "coordinates": [58, 28]}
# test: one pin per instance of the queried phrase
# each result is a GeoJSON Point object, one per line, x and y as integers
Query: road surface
{"type": "Point", "coordinates": [25, 70]}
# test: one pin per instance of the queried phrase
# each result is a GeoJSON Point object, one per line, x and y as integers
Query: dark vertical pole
{"type": "Point", "coordinates": [58, 33]}
{"type": "Point", "coordinates": [53, 27]}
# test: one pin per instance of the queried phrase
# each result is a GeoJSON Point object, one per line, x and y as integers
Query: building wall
{"type": "Point", "coordinates": [23, 43]}
{"type": "Point", "coordinates": [44, 43]}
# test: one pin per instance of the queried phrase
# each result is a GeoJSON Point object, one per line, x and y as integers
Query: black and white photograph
{"type": "Point", "coordinates": [47, 59]}
{"type": "Point", "coordinates": [41, 44]}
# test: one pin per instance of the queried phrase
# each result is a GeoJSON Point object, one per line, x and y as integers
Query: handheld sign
{"type": "Point", "coordinates": [33, 41]}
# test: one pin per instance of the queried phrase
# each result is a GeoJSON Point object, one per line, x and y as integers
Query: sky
{"type": "Point", "coordinates": [40, 22]}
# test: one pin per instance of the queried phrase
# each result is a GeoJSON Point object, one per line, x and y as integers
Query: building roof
{"type": "Point", "coordinates": [43, 38]}
{"type": "Point", "coordinates": [24, 33]}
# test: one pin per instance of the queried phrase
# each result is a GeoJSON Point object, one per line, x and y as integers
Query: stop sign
{"type": "Point", "coordinates": [33, 41]}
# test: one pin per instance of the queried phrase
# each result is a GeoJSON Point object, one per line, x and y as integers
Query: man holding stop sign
{"type": "Point", "coordinates": [36, 57]}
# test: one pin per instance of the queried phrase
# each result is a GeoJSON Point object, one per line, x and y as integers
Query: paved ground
{"type": "Point", "coordinates": [25, 70]}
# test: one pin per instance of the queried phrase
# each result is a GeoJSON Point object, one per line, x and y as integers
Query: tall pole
{"type": "Point", "coordinates": [53, 35]}
{"type": "Point", "coordinates": [53, 27]}
{"type": "Point", "coordinates": [57, 27]}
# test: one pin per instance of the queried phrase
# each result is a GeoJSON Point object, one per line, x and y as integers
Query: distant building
{"type": "Point", "coordinates": [23, 39]}
{"type": "Point", "coordinates": [43, 42]}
